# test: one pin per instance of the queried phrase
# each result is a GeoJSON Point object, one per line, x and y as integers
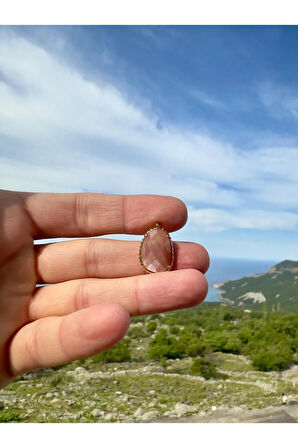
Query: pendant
{"type": "Point", "coordinates": [156, 252]}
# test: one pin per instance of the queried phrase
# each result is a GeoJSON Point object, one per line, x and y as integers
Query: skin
{"type": "Point", "coordinates": [93, 285]}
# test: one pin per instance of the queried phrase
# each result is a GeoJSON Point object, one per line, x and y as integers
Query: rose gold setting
{"type": "Point", "coordinates": [157, 227]}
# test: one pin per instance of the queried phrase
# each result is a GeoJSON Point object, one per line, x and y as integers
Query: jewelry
{"type": "Point", "coordinates": [156, 253]}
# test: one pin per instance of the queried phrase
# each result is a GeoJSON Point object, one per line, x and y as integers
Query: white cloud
{"type": "Point", "coordinates": [280, 100]}
{"type": "Point", "coordinates": [59, 131]}
{"type": "Point", "coordinates": [211, 220]}
{"type": "Point", "coordinates": [205, 98]}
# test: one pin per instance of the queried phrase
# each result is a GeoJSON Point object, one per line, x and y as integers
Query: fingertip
{"type": "Point", "coordinates": [205, 259]}
{"type": "Point", "coordinates": [197, 286]}
{"type": "Point", "coordinates": [189, 255]}
{"type": "Point", "coordinates": [179, 213]}
{"type": "Point", "coordinates": [108, 321]}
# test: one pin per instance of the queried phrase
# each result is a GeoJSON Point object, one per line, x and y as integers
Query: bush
{"type": "Point", "coordinates": [228, 316]}
{"type": "Point", "coordinates": [203, 368]}
{"type": "Point", "coordinates": [216, 340]}
{"type": "Point", "coordinates": [272, 357]}
{"type": "Point", "coordinates": [190, 344]}
{"type": "Point", "coordinates": [137, 332]}
{"type": "Point", "coordinates": [174, 330]}
{"type": "Point", "coordinates": [233, 345]}
{"type": "Point", "coordinates": [163, 346]}
{"type": "Point", "coordinates": [151, 326]}
{"type": "Point", "coordinates": [9, 416]}
{"type": "Point", "coordinates": [118, 353]}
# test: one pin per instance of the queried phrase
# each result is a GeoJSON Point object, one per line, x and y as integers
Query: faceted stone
{"type": "Point", "coordinates": [156, 251]}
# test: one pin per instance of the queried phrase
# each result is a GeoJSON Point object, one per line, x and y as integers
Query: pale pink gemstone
{"type": "Point", "coordinates": [156, 251]}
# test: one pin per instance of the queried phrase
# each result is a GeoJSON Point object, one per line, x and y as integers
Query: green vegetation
{"type": "Point", "coordinates": [279, 286]}
{"type": "Point", "coordinates": [271, 341]}
{"type": "Point", "coordinates": [118, 353]}
{"type": "Point", "coordinates": [203, 368]}
{"type": "Point", "coordinates": [187, 343]}
{"type": "Point", "coordinates": [10, 416]}
{"type": "Point", "coordinates": [209, 355]}
{"type": "Point", "coordinates": [151, 326]}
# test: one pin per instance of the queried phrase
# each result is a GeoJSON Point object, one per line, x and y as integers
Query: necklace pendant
{"type": "Point", "coordinates": [156, 252]}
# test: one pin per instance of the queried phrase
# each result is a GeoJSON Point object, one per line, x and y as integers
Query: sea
{"type": "Point", "coordinates": [222, 269]}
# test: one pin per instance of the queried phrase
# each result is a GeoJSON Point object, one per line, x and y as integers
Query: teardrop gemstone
{"type": "Point", "coordinates": [156, 251]}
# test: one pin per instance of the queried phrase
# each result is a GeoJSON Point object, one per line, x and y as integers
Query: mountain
{"type": "Point", "coordinates": [275, 290]}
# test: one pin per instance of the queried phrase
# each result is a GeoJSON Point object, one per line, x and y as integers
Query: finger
{"type": "Point", "coordinates": [142, 294]}
{"type": "Point", "coordinates": [87, 214]}
{"type": "Point", "coordinates": [57, 340]}
{"type": "Point", "coordinates": [106, 258]}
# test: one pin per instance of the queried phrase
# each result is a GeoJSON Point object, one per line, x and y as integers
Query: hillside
{"type": "Point", "coordinates": [275, 290]}
{"type": "Point", "coordinates": [211, 363]}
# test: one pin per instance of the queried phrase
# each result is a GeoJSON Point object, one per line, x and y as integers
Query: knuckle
{"type": "Point", "coordinates": [81, 296]}
{"type": "Point", "coordinates": [32, 346]}
{"type": "Point", "coordinates": [91, 259]}
{"type": "Point", "coordinates": [81, 215]}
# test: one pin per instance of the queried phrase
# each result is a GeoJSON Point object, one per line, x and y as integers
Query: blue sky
{"type": "Point", "coordinates": [205, 113]}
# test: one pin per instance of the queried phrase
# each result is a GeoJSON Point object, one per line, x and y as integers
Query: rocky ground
{"type": "Point", "coordinates": [144, 391]}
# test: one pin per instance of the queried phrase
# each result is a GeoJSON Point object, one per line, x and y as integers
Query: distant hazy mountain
{"type": "Point", "coordinates": [276, 289]}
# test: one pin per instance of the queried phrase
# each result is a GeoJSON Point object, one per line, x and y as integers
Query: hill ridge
{"type": "Point", "coordinates": [275, 290]}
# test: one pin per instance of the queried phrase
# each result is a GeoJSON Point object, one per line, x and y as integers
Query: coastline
{"type": "Point", "coordinates": [222, 292]}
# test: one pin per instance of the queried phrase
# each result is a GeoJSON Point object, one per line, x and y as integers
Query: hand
{"type": "Point", "coordinates": [94, 284]}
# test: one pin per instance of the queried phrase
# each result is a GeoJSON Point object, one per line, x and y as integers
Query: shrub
{"type": "Point", "coordinates": [118, 353]}
{"type": "Point", "coordinates": [233, 345]}
{"type": "Point", "coordinates": [9, 416]}
{"type": "Point", "coordinates": [272, 357]}
{"type": "Point", "coordinates": [163, 346]}
{"type": "Point", "coordinates": [203, 368]}
{"type": "Point", "coordinates": [137, 332]}
{"type": "Point", "coordinates": [216, 340]}
{"type": "Point", "coordinates": [174, 329]}
{"type": "Point", "coordinates": [228, 316]}
{"type": "Point", "coordinates": [151, 326]}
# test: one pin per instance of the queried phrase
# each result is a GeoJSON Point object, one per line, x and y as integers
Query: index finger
{"type": "Point", "coordinates": [89, 214]}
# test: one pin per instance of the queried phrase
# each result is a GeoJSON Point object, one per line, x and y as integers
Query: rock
{"type": "Point", "coordinates": [139, 412]}
{"type": "Point", "coordinates": [151, 404]}
{"type": "Point", "coordinates": [182, 409]}
{"type": "Point", "coordinates": [55, 400]}
{"type": "Point", "coordinates": [152, 392]}
{"type": "Point", "coordinates": [109, 416]}
{"type": "Point", "coordinates": [81, 377]}
{"type": "Point", "coordinates": [49, 395]}
{"type": "Point", "coordinates": [80, 370]}
{"type": "Point", "coordinates": [96, 413]}
{"type": "Point", "coordinates": [149, 415]}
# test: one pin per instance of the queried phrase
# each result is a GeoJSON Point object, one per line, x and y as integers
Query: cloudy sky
{"type": "Point", "coordinates": [207, 114]}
